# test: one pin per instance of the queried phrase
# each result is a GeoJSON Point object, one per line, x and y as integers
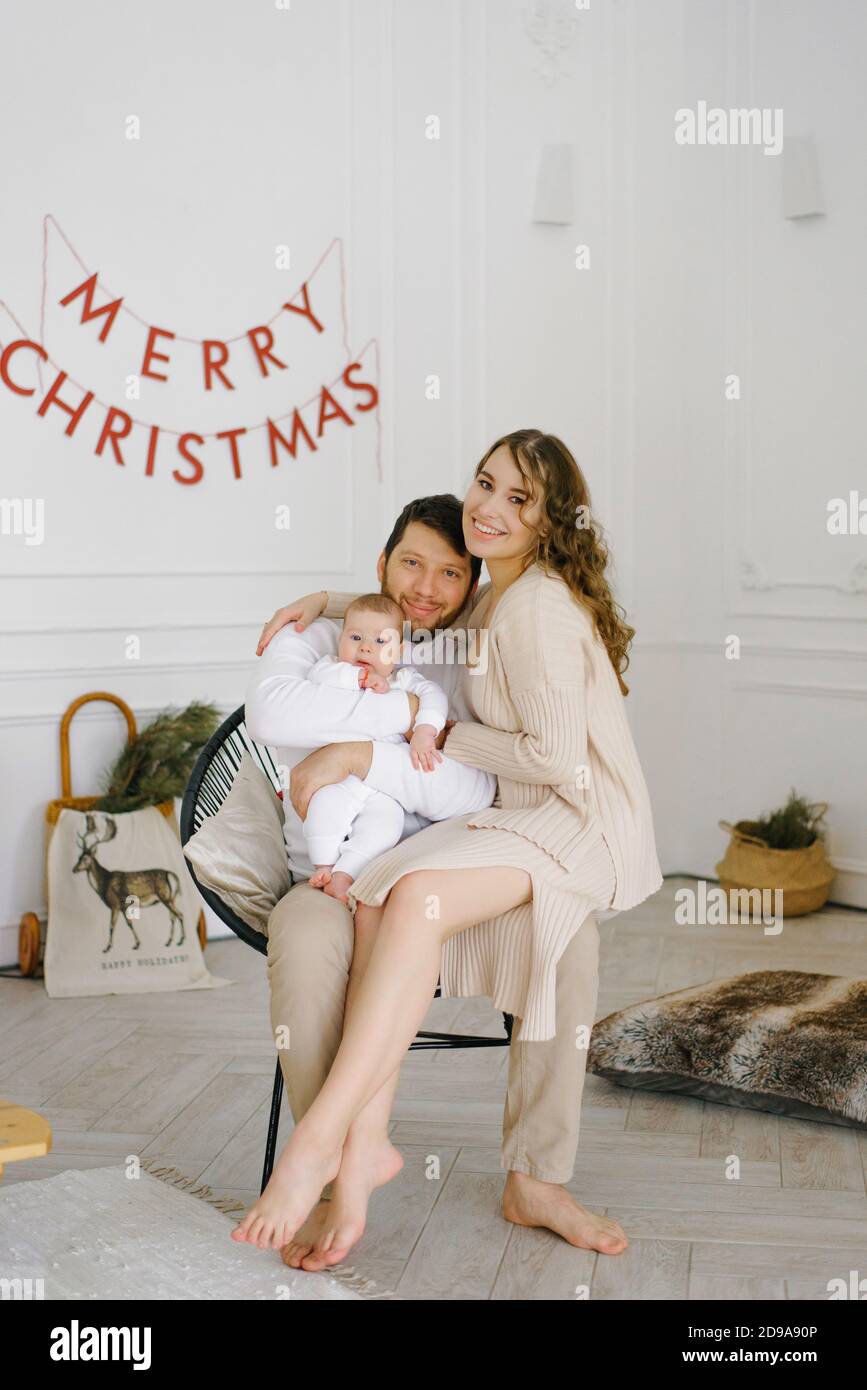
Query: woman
{"type": "Point", "coordinates": [570, 831]}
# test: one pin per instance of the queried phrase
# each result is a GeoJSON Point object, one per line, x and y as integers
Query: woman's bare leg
{"type": "Point", "coordinates": [369, 1158]}
{"type": "Point", "coordinates": [423, 909]}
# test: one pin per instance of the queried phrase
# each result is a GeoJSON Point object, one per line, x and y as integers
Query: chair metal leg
{"type": "Point", "coordinates": [273, 1122]}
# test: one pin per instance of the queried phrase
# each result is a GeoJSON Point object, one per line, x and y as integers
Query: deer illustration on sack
{"type": "Point", "coordinates": [122, 890]}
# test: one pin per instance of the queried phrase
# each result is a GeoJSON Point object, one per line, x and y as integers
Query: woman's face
{"type": "Point", "coordinates": [492, 525]}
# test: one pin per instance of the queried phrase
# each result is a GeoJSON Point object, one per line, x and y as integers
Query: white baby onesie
{"type": "Point", "coordinates": [348, 823]}
{"type": "Point", "coordinates": [433, 703]}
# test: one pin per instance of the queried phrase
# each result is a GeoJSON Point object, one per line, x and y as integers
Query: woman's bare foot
{"type": "Point", "coordinates": [366, 1164]}
{"type": "Point", "coordinates": [529, 1202]}
{"type": "Point", "coordinates": [306, 1236]}
{"type": "Point", "coordinates": [300, 1173]}
{"type": "Point", "coordinates": [322, 877]}
{"type": "Point", "coordinates": [337, 885]}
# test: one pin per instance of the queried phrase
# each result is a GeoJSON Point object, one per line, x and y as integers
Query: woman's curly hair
{"type": "Point", "coordinates": [570, 540]}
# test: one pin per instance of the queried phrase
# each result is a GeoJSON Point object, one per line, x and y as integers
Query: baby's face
{"type": "Point", "coordinates": [370, 639]}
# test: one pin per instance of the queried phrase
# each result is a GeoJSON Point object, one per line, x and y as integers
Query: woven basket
{"type": "Point", "coordinates": [804, 876]}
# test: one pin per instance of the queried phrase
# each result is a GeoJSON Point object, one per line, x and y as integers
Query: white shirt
{"type": "Point", "coordinates": [292, 714]}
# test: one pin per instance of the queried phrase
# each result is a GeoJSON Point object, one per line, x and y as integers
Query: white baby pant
{"type": "Point", "coordinates": [372, 821]}
{"type": "Point", "coordinates": [372, 817]}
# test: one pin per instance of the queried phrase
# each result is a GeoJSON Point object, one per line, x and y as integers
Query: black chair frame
{"type": "Point", "coordinates": [209, 784]}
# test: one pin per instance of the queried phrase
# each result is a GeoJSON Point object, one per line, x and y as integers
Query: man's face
{"type": "Point", "coordinates": [426, 577]}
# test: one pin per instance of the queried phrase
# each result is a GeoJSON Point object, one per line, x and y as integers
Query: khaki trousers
{"type": "Point", "coordinates": [310, 945]}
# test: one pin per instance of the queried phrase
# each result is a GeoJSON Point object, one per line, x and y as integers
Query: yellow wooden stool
{"type": "Point", "coordinates": [23, 1134]}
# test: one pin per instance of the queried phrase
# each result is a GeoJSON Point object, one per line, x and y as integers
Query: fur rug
{"type": "Point", "coordinates": [777, 1040]}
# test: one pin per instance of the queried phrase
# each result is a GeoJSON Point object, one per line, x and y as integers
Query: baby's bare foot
{"type": "Point", "coordinates": [322, 877]}
{"type": "Point", "coordinates": [338, 885]}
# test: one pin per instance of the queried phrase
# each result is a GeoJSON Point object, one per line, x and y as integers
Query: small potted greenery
{"type": "Point", "coordinates": [786, 850]}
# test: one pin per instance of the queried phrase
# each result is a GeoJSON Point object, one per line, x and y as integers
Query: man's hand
{"type": "Point", "coordinates": [324, 766]}
{"type": "Point", "coordinates": [413, 711]}
{"type": "Point", "coordinates": [422, 748]}
{"type": "Point", "coordinates": [444, 732]}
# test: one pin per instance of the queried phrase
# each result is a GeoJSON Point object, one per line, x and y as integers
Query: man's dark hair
{"type": "Point", "coordinates": [442, 513]}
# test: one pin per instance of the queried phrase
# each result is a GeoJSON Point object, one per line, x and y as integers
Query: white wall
{"type": "Point", "coordinates": [266, 127]}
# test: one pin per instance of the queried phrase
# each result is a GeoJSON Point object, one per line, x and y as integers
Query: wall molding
{"type": "Point", "coordinates": [848, 866]}
{"type": "Point", "coordinates": [216, 623]}
{"type": "Point", "coordinates": [825, 692]}
{"type": "Point", "coordinates": [469, 340]}
{"type": "Point", "coordinates": [675, 647]}
{"type": "Point", "coordinates": [66, 575]}
{"type": "Point", "coordinates": [750, 574]}
{"type": "Point", "coordinates": [100, 715]}
{"type": "Point", "coordinates": [129, 668]}
{"type": "Point", "coordinates": [753, 576]}
{"type": "Point", "coordinates": [620, 315]}
{"type": "Point", "coordinates": [109, 673]}
{"type": "Point", "coordinates": [802, 615]}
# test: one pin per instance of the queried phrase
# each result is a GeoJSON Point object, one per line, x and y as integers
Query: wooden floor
{"type": "Point", "coordinates": [187, 1077]}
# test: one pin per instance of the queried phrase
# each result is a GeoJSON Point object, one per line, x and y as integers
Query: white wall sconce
{"type": "Point", "coordinates": [802, 191]}
{"type": "Point", "coordinates": [555, 195]}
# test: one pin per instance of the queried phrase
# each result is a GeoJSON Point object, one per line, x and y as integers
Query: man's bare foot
{"type": "Point", "coordinates": [322, 877]}
{"type": "Point", "coordinates": [366, 1164]}
{"type": "Point", "coordinates": [300, 1173]}
{"type": "Point", "coordinates": [529, 1202]}
{"type": "Point", "coordinates": [338, 884]}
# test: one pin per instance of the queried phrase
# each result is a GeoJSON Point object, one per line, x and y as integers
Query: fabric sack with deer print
{"type": "Point", "coordinates": [122, 909]}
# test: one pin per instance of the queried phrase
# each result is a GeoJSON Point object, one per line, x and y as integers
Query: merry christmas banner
{"type": "Point", "coordinates": [101, 372]}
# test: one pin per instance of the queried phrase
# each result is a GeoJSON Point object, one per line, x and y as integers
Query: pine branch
{"type": "Point", "coordinates": [793, 826]}
{"type": "Point", "coordinates": [155, 766]}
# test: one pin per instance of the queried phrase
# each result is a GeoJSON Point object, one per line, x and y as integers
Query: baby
{"type": "Point", "coordinates": [348, 823]}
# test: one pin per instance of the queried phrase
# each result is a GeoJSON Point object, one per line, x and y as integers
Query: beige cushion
{"type": "Point", "coordinates": [240, 853]}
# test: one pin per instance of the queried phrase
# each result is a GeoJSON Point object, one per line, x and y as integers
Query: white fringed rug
{"type": "Point", "coordinates": [95, 1234]}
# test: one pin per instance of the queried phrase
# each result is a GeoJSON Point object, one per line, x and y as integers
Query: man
{"type": "Point", "coordinates": [426, 569]}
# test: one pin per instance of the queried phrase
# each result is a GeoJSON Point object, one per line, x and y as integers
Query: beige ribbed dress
{"type": "Point", "coordinates": [572, 805]}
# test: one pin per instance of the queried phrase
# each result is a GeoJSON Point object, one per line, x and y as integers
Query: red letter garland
{"type": "Point", "coordinates": [116, 429]}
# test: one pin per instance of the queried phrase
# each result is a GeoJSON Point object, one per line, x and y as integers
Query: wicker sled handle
{"type": "Point", "coordinates": [741, 834]}
{"type": "Point", "coordinates": [65, 778]}
{"type": "Point", "coordinates": [820, 806]}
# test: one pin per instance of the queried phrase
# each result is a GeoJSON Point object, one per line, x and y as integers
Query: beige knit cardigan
{"type": "Point", "coordinates": [554, 731]}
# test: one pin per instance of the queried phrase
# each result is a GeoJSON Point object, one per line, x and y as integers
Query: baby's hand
{"type": "Point", "coordinates": [372, 680]}
{"type": "Point", "coordinates": [422, 748]}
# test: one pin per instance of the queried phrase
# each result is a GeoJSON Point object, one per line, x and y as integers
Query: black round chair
{"type": "Point", "coordinates": [210, 782]}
